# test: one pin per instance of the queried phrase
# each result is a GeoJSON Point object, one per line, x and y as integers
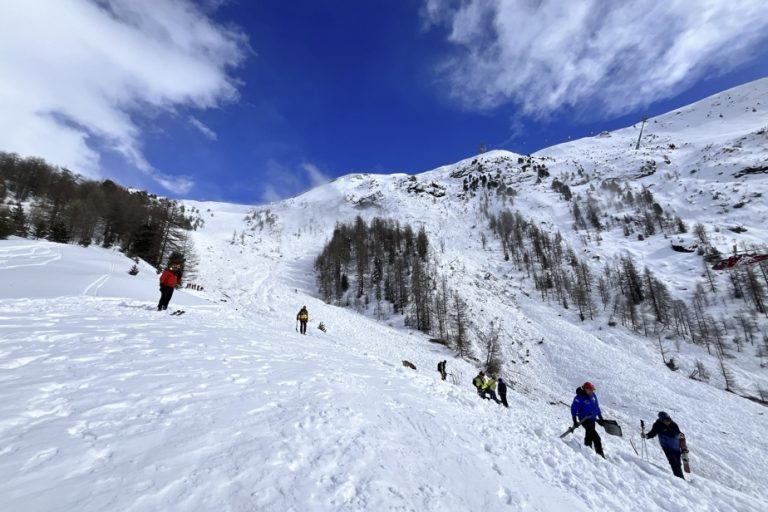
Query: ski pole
{"type": "Point", "coordinates": [642, 436]}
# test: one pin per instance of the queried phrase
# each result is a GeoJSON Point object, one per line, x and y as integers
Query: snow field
{"type": "Point", "coordinates": [109, 404]}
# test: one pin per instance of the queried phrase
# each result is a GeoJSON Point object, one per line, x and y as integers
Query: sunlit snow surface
{"type": "Point", "coordinates": [106, 404]}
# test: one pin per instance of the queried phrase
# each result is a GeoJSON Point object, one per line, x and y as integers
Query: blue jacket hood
{"type": "Point", "coordinates": [584, 405]}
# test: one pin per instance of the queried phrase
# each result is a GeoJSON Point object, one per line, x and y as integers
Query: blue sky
{"type": "Point", "coordinates": [252, 101]}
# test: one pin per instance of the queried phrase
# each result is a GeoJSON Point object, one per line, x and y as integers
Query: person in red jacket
{"type": "Point", "coordinates": [169, 279]}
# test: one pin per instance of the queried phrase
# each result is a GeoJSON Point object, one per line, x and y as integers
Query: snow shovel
{"type": "Point", "coordinates": [574, 427]}
{"type": "Point", "coordinates": [612, 428]}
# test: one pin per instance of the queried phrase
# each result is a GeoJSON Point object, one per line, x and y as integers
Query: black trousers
{"type": "Point", "coordinates": [675, 461]}
{"type": "Point", "coordinates": [303, 327]}
{"type": "Point", "coordinates": [503, 397]}
{"type": "Point", "coordinates": [490, 393]}
{"type": "Point", "coordinates": [166, 292]}
{"type": "Point", "coordinates": [592, 438]}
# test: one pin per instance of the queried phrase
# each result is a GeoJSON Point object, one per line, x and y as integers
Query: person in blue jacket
{"type": "Point", "coordinates": [586, 409]}
{"type": "Point", "coordinates": [669, 439]}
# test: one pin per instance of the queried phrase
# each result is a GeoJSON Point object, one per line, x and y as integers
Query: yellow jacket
{"type": "Point", "coordinates": [490, 384]}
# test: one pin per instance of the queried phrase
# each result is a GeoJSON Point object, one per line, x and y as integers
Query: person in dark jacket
{"type": "Point", "coordinates": [169, 279]}
{"type": "Point", "coordinates": [669, 439]}
{"type": "Point", "coordinates": [503, 392]}
{"type": "Point", "coordinates": [303, 318]}
{"type": "Point", "coordinates": [441, 369]}
{"type": "Point", "coordinates": [586, 408]}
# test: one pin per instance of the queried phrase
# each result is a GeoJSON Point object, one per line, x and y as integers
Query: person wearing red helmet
{"type": "Point", "coordinates": [586, 409]}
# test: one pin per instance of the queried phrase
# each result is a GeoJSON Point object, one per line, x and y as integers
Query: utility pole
{"type": "Point", "coordinates": [637, 146]}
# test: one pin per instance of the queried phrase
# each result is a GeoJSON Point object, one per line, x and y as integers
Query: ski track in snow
{"type": "Point", "coordinates": [29, 255]}
{"type": "Point", "coordinates": [93, 288]}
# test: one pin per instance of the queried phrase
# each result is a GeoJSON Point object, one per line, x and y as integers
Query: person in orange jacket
{"type": "Point", "coordinates": [169, 279]}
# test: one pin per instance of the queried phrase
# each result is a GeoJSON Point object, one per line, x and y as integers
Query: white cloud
{"type": "Point", "coordinates": [544, 55]}
{"type": "Point", "coordinates": [78, 76]}
{"type": "Point", "coordinates": [202, 128]}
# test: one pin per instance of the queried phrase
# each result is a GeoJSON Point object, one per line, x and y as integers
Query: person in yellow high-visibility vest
{"type": "Point", "coordinates": [489, 388]}
{"type": "Point", "coordinates": [303, 318]}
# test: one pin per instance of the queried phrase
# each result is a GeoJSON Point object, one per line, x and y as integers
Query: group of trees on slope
{"type": "Point", "coordinates": [43, 201]}
{"type": "Point", "coordinates": [637, 299]}
{"type": "Point", "coordinates": [642, 214]}
{"type": "Point", "coordinates": [724, 314]}
{"type": "Point", "coordinates": [385, 266]}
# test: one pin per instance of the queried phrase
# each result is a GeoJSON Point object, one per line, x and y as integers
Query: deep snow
{"type": "Point", "coordinates": [108, 404]}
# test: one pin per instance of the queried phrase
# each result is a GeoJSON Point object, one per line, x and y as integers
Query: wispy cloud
{"type": "Point", "coordinates": [270, 194]}
{"type": "Point", "coordinates": [544, 55]}
{"type": "Point", "coordinates": [202, 128]}
{"type": "Point", "coordinates": [287, 180]}
{"type": "Point", "coordinates": [316, 176]}
{"type": "Point", "coordinates": [78, 75]}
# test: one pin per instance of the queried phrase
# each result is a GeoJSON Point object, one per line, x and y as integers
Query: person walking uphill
{"type": "Point", "coordinates": [303, 318]}
{"type": "Point", "coordinates": [169, 279]}
{"type": "Point", "coordinates": [669, 439]}
{"type": "Point", "coordinates": [586, 409]}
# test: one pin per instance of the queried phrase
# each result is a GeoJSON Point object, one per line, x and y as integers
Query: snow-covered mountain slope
{"type": "Point", "coordinates": [707, 161]}
{"type": "Point", "coordinates": [699, 157]}
{"type": "Point", "coordinates": [272, 258]}
{"type": "Point", "coordinates": [107, 404]}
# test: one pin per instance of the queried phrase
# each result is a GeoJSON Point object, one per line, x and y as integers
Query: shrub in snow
{"type": "Point", "coordinates": [699, 372]}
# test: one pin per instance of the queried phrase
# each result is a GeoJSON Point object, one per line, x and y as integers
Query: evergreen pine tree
{"type": "Point", "coordinates": [19, 221]}
{"type": "Point", "coordinates": [59, 233]}
{"type": "Point", "coordinates": [6, 227]}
